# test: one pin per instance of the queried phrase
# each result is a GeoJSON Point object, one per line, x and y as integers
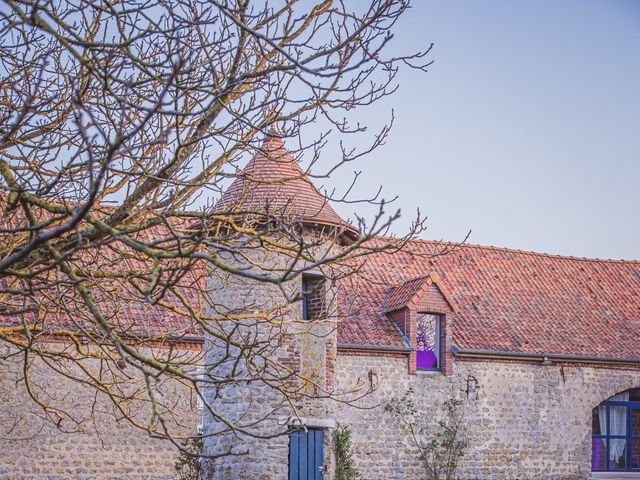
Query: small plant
{"type": "Point", "coordinates": [345, 469]}
{"type": "Point", "coordinates": [188, 464]}
{"type": "Point", "coordinates": [441, 451]}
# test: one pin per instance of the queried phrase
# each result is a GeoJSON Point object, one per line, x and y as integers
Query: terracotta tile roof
{"type": "Point", "coordinates": [400, 296]}
{"type": "Point", "coordinates": [109, 271]}
{"type": "Point", "coordinates": [408, 293]}
{"type": "Point", "coordinates": [505, 300]}
{"type": "Point", "coordinates": [127, 311]}
{"type": "Point", "coordinates": [274, 182]}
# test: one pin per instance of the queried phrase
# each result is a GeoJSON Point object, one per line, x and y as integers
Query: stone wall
{"type": "Point", "coordinates": [523, 421]}
{"type": "Point", "coordinates": [98, 447]}
{"type": "Point", "coordinates": [281, 365]}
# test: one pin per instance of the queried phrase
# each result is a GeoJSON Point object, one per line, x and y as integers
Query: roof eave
{"type": "Point", "coordinates": [506, 355]}
{"type": "Point", "coordinates": [348, 233]}
{"type": "Point", "coordinates": [373, 348]}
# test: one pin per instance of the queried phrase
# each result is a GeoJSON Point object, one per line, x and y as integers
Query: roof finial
{"type": "Point", "coordinates": [274, 130]}
{"type": "Point", "coordinates": [273, 139]}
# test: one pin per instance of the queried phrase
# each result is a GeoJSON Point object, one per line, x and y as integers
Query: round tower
{"type": "Point", "coordinates": [272, 348]}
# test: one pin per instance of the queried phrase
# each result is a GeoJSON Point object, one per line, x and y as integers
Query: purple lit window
{"type": "Point", "coordinates": [428, 342]}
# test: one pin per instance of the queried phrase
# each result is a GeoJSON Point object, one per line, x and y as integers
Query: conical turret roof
{"type": "Point", "coordinates": [274, 183]}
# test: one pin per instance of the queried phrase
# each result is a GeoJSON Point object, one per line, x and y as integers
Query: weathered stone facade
{"type": "Point", "coordinates": [523, 421]}
{"type": "Point", "coordinates": [100, 447]}
{"type": "Point", "coordinates": [259, 409]}
{"type": "Point", "coordinates": [272, 365]}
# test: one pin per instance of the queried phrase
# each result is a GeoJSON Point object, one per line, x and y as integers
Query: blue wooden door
{"type": "Point", "coordinates": [306, 454]}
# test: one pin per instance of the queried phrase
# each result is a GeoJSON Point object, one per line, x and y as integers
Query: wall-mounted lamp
{"type": "Point", "coordinates": [472, 386]}
{"type": "Point", "coordinates": [373, 380]}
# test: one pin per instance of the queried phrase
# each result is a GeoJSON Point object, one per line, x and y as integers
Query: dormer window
{"type": "Point", "coordinates": [313, 297]}
{"type": "Point", "coordinates": [427, 341]}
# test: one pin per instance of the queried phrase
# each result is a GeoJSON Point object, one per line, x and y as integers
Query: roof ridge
{"type": "Point", "coordinates": [412, 279]}
{"type": "Point", "coordinates": [517, 250]}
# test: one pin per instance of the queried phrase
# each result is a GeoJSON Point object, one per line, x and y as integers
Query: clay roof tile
{"type": "Point", "coordinates": [505, 300]}
{"type": "Point", "coordinates": [274, 183]}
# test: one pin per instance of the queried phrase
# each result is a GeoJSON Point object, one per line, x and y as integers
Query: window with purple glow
{"type": "Point", "coordinates": [428, 341]}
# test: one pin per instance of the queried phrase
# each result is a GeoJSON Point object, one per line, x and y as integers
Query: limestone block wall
{"type": "Point", "coordinates": [523, 421]}
{"type": "Point", "coordinates": [100, 447]}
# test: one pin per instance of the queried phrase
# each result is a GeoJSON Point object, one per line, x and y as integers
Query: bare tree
{"type": "Point", "coordinates": [121, 124]}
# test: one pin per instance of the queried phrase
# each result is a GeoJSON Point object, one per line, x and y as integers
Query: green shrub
{"type": "Point", "coordinates": [188, 464]}
{"type": "Point", "coordinates": [440, 451]}
{"type": "Point", "coordinates": [345, 469]}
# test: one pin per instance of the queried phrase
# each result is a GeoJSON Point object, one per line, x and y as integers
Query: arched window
{"type": "Point", "coordinates": [615, 444]}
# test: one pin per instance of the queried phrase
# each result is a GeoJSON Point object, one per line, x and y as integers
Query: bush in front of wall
{"type": "Point", "coordinates": [440, 449]}
{"type": "Point", "coordinates": [345, 469]}
{"type": "Point", "coordinates": [188, 464]}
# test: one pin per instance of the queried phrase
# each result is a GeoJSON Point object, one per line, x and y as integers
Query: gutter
{"type": "Point", "coordinates": [545, 358]}
{"type": "Point", "coordinates": [132, 335]}
{"type": "Point", "coordinates": [373, 348]}
{"type": "Point", "coordinates": [186, 338]}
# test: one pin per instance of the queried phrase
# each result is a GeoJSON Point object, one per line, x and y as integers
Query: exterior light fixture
{"type": "Point", "coordinates": [472, 385]}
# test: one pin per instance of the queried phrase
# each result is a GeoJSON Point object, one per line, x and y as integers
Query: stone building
{"type": "Point", "coordinates": [101, 445]}
{"type": "Point", "coordinates": [303, 331]}
{"type": "Point", "coordinates": [533, 344]}
{"type": "Point", "coordinates": [543, 350]}
{"type": "Point", "coordinates": [90, 438]}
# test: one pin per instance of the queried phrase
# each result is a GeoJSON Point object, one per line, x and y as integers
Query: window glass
{"type": "Point", "coordinates": [635, 422]}
{"type": "Point", "coordinates": [635, 454]}
{"type": "Point", "coordinates": [618, 420]}
{"type": "Point", "coordinates": [599, 454]}
{"type": "Point", "coordinates": [599, 420]}
{"type": "Point", "coordinates": [617, 454]}
{"type": "Point", "coordinates": [428, 341]}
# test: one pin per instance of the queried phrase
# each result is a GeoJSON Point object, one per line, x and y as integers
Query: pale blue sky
{"type": "Point", "coordinates": [526, 129]}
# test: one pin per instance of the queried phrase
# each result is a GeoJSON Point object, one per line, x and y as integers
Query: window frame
{"type": "Point", "coordinates": [629, 437]}
{"type": "Point", "coordinates": [437, 341]}
{"type": "Point", "coordinates": [305, 298]}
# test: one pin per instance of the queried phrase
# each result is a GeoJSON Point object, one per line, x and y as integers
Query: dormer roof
{"type": "Point", "coordinates": [409, 293]}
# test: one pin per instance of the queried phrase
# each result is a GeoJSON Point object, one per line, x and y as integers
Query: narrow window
{"type": "Point", "coordinates": [428, 342]}
{"type": "Point", "coordinates": [313, 297]}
